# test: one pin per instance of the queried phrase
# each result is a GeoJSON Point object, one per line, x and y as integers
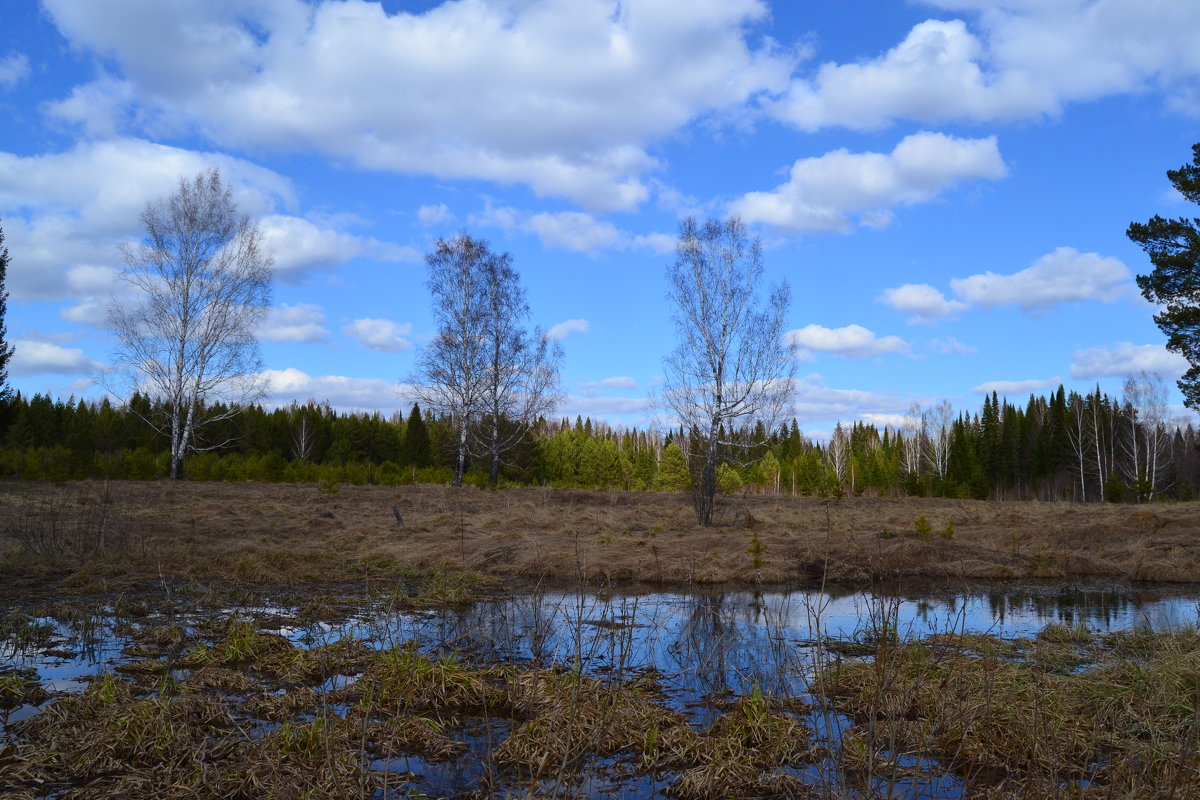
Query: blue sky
{"type": "Point", "coordinates": [945, 185]}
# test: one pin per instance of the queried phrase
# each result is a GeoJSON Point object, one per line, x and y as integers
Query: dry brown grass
{"type": "Point", "coordinates": [1020, 720]}
{"type": "Point", "coordinates": [288, 533]}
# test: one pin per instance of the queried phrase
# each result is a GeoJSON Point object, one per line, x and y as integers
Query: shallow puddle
{"type": "Point", "coordinates": [698, 654]}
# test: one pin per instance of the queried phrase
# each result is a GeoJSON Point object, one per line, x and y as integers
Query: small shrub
{"type": "Point", "coordinates": [756, 550]}
{"type": "Point", "coordinates": [922, 527]}
{"type": "Point", "coordinates": [948, 531]}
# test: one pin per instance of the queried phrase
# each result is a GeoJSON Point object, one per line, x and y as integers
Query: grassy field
{"type": "Point", "coordinates": [97, 536]}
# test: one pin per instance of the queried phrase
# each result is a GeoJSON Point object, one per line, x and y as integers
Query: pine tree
{"type": "Point", "coordinates": [1174, 249]}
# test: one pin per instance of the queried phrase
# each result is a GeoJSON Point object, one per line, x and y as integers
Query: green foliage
{"type": "Point", "coordinates": [948, 531]}
{"type": "Point", "coordinates": [672, 473]}
{"type": "Point", "coordinates": [756, 551]}
{"type": "Point", "coordinates": [1173, 246]}
{"type": "Point", "coordinates": [728, 479]}
{"type": "Point", "coordinates": [922, 527]}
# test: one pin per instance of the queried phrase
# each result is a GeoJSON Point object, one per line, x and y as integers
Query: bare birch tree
{"type": "Point", "coordinates": [450, 369]}
{"type": "Point", "coordinates": [1147, 442]}
{"type": "Point", "coordinates": [731, 367]}
{"type": "Point", "coordinates": [914, 435]}
{"type": "Point", "coordinates": [485, 370]}
{"type": "Point", "coordinates": [203, 281]}
{"type": "Point", "coordinates": [939, 421]}
{"type": "Point", "coordinates": [520, 367]}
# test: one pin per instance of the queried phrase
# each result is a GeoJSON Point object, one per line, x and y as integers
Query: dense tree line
{"type": "Point", "coordinates": [1065, 445]}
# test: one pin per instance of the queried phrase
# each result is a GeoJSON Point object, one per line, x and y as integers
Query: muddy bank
{"type": "Point", "coordinates": [94, 536]}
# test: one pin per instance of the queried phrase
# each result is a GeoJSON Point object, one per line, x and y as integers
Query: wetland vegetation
{"type": "Point", "coordinates": [244, 640]}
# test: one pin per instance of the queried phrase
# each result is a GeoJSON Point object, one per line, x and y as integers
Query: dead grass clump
{"type": "Point", "coordinates": [751, 730]}
{"type": "Point", "coordinates": [571, 717]}
{"type": "Point", "coordinates": [20, 686]}
{"type": "Point", "coordinates": [318, 758]}
{"type": "Point", "coordinates": [1127, 726]}
{"type": "Point", "coordinates": [423, 736]}
{"type": "Point", "coordinates": [402, 679]}
{"type": "Point", "coordinates": [307, 667]}
{"type": "Point", "coordinates": [283, 706]}
{"type": "Point", "coordinates": [220, 679]}
{"type": "Point", "coordinates": [243, 644]}
{"type": "Point", "coordinates": [105, 737]}
{"type": "Point", "coordinates": [717, 781]}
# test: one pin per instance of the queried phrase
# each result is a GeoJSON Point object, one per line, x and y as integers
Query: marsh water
{"type": "Point", "coordinates": [703, 647]}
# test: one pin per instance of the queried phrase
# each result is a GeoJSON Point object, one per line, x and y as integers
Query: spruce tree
{"type": "Point", "coordinates": [417, 447]}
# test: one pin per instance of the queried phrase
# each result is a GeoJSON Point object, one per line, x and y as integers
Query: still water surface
{"type": "Point", "coordinates": [704, 645]}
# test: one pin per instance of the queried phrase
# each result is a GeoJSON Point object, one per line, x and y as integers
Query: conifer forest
{"type": "Point", "coordinates": [1066, 446]}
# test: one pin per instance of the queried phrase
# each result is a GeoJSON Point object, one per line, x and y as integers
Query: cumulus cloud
{"type": "Point", "coordinates": [302, 322]}
{"type": "Point", "coordinates": [14, 68]}
{"type": "Point", "coordinates": [301, 247]}
{"type": "Point", "coordinates": [619, 382]}
{"type": "Point", "coordinates": [448, 92]}
{"type": "Point", "coordinates": [285, 386]}
{"type": "Point", "coordinates": [923, 302]}
{"type": "Point", "coordinates": [1124, 359]}
{"type": "Point", "coordinates": [64, 213]}
{"type": "Point", "coordinates": [822, 193]}
{"type": "Point", "coordinates": [1064, 276]}
{"type": "Point", "coordinates": [852, 341]}
{"type": "Point", "coordinates": [1004, 388]}
{"type": "Point", "coordinates": [565, 328]}
{"type": "Point", "coordinates": [31, 357]}
{"type": "Point", "coordinates": [381, 335]}
{"type": "Point", "coordinates": [1028, 59]}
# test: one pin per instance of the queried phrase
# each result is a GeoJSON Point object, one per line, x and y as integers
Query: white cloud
{"type": "Point", "coordinates": [449, 92]}
{"type": "Point", "coordinates": [619, 382]}
{"type": "Point", "coordinates": [1124, 359]}
{"type": "Point", "coordinates": [923, 302]}
{"type": "Point", "coordinates": [950, 346]}
{"type": "Point", "coordinates": [893, 421]}
{"type": "Point", "coordinates": [301, 247]}
{"type": "Point", "coordinates": [599, 407]}
{"type": "Point", "coordinates": [64, 214]}
{"type": "Point", "coordinates": [817, 402]}
{"type": "Point", "coordinates": [381, 335]}
{"type": "Point", "coordinates": [302, 322]}
{"type": "Point", "coordinates": [1064, 276]}
{"type": "Point", "coordinates": [1029, 59]}
{"type": "Point", "coordinates": [434, 215]}
{"type": "Point", "coordinates": [1004, 388]}
{"type": "Point", "coordinates": [565, 328]}
{"type": "Point", "coordinates": [571, 230]}
{"type": "Point", "coordinates": [852, 341]}
{"type": "Point", "coordinates": [932, 76]}
{"type": "Point", "coordinates": [14, 68]}
{"type": "Point", "coordinates": [343, 393]}
{"type": "Point", "coordinates": [823, 192]}
{"type": "Point", "coordinates": [32, 357]}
